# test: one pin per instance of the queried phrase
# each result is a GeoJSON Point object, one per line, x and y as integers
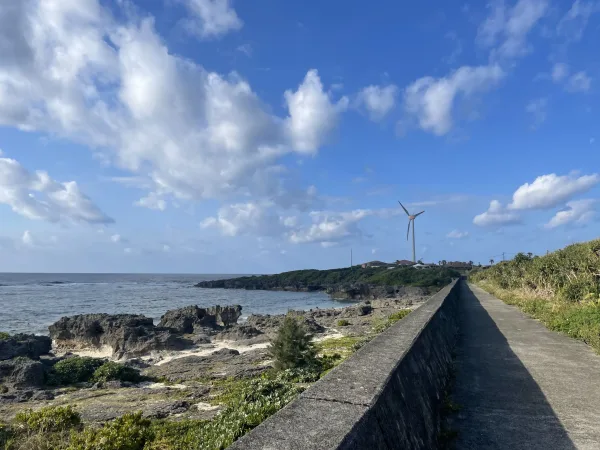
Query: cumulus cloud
{"type": "Point", "coordinates": [506, 28]}
{"type": "Point", "coordinates": [431, 100]}
{"type": "Point", "coordinates": [577, 212]}
{"type": "Point", "coordinates": [248, 218]}
{"type": "Point", "coordinates": [329, 227]}
{"type": "Point", "coordinates": [456, 234]}
{"type": "Point", "coordinates": [549, 191]}
{"type": "Point", "coordinates": [312, 113]}
{"type": "Point", "coordinates": [496, 216]}
{"type": "Point", "coordinates": [378, 100]}
{"type": "Point", "coordinates": [38, 196]}
{"type": "Point", "coordinates": [71, 69]}
{"type": "Point", "coordinates": [27, 239]}
{"type": "Point", "coordinates": [211, 18]}
{"type": "Point", "coordinates": [116, 238]}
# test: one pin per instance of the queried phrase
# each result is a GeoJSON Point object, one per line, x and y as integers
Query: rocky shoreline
{"type": "Point", "coordinates": [179, 360]}
{"type": "Point", "coordinates": [337, 291]}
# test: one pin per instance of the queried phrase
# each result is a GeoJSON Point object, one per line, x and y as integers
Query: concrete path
{"type": "Point", "coordinates": [519, 385]}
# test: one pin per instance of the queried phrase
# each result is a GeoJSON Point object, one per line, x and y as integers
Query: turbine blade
{"type": "Point", "coordinates": [419, 213]}
{"type": "Point", "coordinates": [408, 230]}
{"type": "Point", "coordinates": [404, 208]}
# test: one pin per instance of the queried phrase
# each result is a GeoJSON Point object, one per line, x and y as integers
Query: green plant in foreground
{"type": "Point", "coordinates": [4, 336]}
{"type": "Point", "coordinates": [129, 432]}
{"type": "Point", "coordinates": [48, 419]}
{"type": "Point", "coordinates": [342, 323]}
{"type": "Point", "coordinates": [292, 347]}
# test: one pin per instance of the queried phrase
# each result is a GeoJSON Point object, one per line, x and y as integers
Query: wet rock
{"type": "Point", "coordinates": [28, 345]}
{"type": "Point", "coordinates": [42, 395]}
{"type": "Point", "coordinates": [127, 335]}
{"type": "Point", "coordinates": [22, 372]}
{"type": "Point", "coordinates": [363, 310]}
{"type": "Point", "coordinates": [238, 333]}
{"type": "Point", "coordinates": [192, 318]}
{"type": "Point", "coordinates": [221, 364]}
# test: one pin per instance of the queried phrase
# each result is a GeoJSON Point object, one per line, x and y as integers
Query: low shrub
{"type": "Point", "coordinates": [380, 326]}
{"type": "Point", "coordinates": [342, 323]}
{"type": "Point", "coordinates": [292, 347]}
{"type": "Point", "coordinates": [114, 371]}
{"type": "Point", "coordinates": [129, 432]}
{"type": "Point", "coordinates": [4, 336]}
{"type": "Point", "coordinates": [49, 419]}
{"type": "Point", "coordinates": [5, 435]}
{"type": "Point", "coordinates": [74, 370]}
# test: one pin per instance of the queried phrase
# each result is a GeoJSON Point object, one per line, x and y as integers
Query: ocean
{"type": "Point", "coordinates": [29, 302]}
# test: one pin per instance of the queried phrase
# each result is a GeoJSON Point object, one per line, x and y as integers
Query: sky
{"type": "Point", "coordinates": [231, 136]}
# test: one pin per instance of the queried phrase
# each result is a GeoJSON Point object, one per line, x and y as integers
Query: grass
{"type": "Point", "coordinates": [342, 323]}
{"type": "Point", "coordinates": [4, 336]}
{"type": "Point", "coordinates": [561, 289]}
{"type": "Point", "coordinates": [86, 369]}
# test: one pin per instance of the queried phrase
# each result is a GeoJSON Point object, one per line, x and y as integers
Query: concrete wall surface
{"type": "Point", "coordinates": [385, 396]}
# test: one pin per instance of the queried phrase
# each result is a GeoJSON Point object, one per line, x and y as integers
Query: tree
{"type": "Point", "coordinates": [491, 262]}
{"type": "Point", "coordinates": [530, 255]}
{"type": "Point", "coordinates": [443, 262]}
{"type": "Point", "coordinates": [470, 263]}
{"type": "Point", "coordinates": [420, 261]}
{"type": "Point", "coordinates": [292, 347]}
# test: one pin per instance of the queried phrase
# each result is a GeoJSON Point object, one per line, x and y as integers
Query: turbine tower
{"type": "Point", "coordinates": [411, 218]}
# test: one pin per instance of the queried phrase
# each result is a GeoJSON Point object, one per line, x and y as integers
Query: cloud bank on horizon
{"type": "Point", "coordinates": [182, 137]}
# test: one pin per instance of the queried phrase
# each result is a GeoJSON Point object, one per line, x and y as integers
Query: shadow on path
{"type": "Point", "coordinates": [501, 405]}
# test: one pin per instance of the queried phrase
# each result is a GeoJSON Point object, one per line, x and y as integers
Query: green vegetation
{"type": "Point", "coordinates": [391, 320]}
{"type": "Point", "coordinates": [74, 370]}
{"type": "Point", "coordinates": [405, 276]}
{"type": "Point", "coordinates": [86, 369]}
{"type": "Point", "coordinates": [561, 289]}
{"type": "Point", "coordinates": [4, 336]}
{"type": "Point", "coordinates": [50, 419]}
{"type": "Point", "coordinates": [114, 371]}
{"type": "Point", "coordinates": [342, 323]}
{"type": "Point", "coordinates": [343, 346]}
{"type": "Point", "coordinates": [292, 347]}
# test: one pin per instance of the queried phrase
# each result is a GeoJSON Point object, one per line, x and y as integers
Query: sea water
{"type": "Point", "coordinates": [31, 302]}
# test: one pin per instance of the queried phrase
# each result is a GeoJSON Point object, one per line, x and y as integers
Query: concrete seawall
{"type": "Point", "coordinates": [385, 396]}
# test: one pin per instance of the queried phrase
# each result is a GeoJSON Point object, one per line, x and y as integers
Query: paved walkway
{"type": "Point", "coordinates": [521, 386]}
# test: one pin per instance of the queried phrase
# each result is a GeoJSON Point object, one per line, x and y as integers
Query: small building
{"type": "Point", "coordinates": [374, 264]}
{"type": "Point", "coordinates": [404, 262]}
{"type": "Point", "coordinates": [459, 265]}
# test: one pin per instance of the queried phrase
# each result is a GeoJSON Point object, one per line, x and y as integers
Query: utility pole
{"type": "Point", "coordinates": [351, 265]}
{"type": "Point", "coordinates": [502, 256]}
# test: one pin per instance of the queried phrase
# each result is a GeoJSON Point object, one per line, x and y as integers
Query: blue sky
{"type": "Point", "coordinates": [216, 136]}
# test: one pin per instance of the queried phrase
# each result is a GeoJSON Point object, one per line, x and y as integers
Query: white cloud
{"type": "Point", "coordinates": [507, 29]}
{"type": "Point", "coordinates": [116, 238]}
{"type": "Point", "coordinates": [127, 250]}
{"type": "Point", "coordinates": [456, 234]}
{"type": "Point", "coordinates": [577, 212]}
{"type": "Point", "coordinates": [166, 248]}
{"type": "Point", "coordinates": [246, 49]}
{"type": "Point", "coordinates": [559, 72]}
{"type": "Point", "coordinates": [579, 82]}
{"type": "Point", "coordinates": [549, 191]}
{"type": "Point", "coordinates": [38, 196]}
{"type": "Point", "coordinates": [330, 227]}
{"type": "Point", "coordinates": [152, 201]}
{"type": "Point", "coordinates": [378, 100]}
{"type": "Point", "coordinates": [431, 101]}
{"type": "Point", "coordinates": [373, 251]}
{"type": "Point", "coordinates": [249, 218]}
{"type": "Point", "coordinates": [574, 22]}
{"type": "Point", "coordinates": [538, 110]}
{"type": "Point", "coordinates": [27, 239]}
{"type": "Point", "coordinates": [495, 216]}
{"type": "Point", "coordinates": [312, 113]}
{"type": "Point", "coordinates": [71, 69]}
{"type": "Point", "coordinates": [211, 18]}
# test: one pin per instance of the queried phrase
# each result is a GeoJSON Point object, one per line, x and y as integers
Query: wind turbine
{"type": "Point", "coordinates": [411, 218]}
